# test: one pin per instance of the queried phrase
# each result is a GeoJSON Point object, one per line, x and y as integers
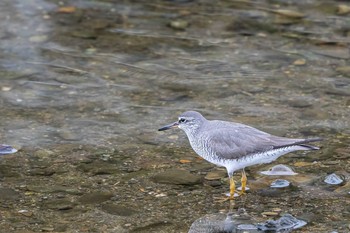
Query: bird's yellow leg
{"type": "Point", "coordinates": [232, 188]}
{"type": "Point", "coordinates": [243, 182]}
{"type": "Point", "coordinates": [232, 191]}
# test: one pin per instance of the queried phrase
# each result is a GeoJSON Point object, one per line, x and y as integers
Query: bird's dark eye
{"type": "Point", "coordinates": [182, 120]}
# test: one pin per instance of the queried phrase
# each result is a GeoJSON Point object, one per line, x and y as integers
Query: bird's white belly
{"type": "Point", "coordinates": [248, 160]}
{"type": "Point", "coordinates": [259, 158]}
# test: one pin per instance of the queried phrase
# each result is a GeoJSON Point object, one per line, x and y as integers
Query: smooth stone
{"type": "Point", "coordinates": [179, 24]}
{"type": "Point", "coordinates": [54, 189]}
{"type": "Point", "coordinates": [177, 176]}
{"type": "Point", "coordinates": [344, 189]}
{"type": "Point", "coordinates": [118, 210]}
{"type": "Point", "coordinates": [269, 213]}
{"type": "Point", "coordinates": [99, 168]}
{"type": "Point", "coordinates": [7, 194]}
{"type": "Point", "coordinates": [41, 172]}
{"type": "Point", "coordinates": [7, 171]}
{"type": "Point", "coordinates": [344, 70]}
{"type": "Point", "coordinates": [95, 198]}
{"type": "Point", "coordinates": [315, 113]}
{"type": "Point", "coordinates": [26, 213]}
{"type": "Point", "coordinates": [216, 175]}
{"type": "Point", "coordinates": [69, 135]}
{"type": "Point", "coordinates": [59, 204]}
{"type": "Point", "coordinates": [299, 103]}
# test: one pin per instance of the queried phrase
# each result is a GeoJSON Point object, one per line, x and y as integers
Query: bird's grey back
{"type": "Point", "coordinates": [231, 140]}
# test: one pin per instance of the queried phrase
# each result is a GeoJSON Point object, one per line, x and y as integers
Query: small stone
{"type": "Point", "coordinates": [344, 70]}
{"type": "Point", "coordinates": [7, 194]}
{"type": "Point", "coordinates": [179, 24]}
{"type": "Point", "coordinates": [119, 210]}
{"type": "Point", "coordinates": [69, 135]}
{"type": "Point", "coordinates": [47, 229]}
{"type": "Point", "coordinates": [268, 213]}
{"type": "Point", "coordinates": [299, 103]}
{"type": "Point", "coordinates": [343, 9]}
{"type": "Point", "coordinates": [299, 62]}
{"type": "Point", "coordinates": [216, 175]}
{"type": "Point", "coordinates": [26, 213]}
{"type": "Point", "coordinates": [5, 88]}
{"type": "Point", "coordinates": [59, 204]}
{"type": "Point", "coordinates": [38, 38]}
{"type": "Point", "coordinates": [177, 176]}
{"type": "Point", "coordinates": [302, 164]}
{"type": "Point", "coordinates": [95, 198]}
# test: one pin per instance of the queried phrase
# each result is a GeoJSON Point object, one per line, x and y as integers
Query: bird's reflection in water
{"type": "Point", "coordinates": [239, 221]}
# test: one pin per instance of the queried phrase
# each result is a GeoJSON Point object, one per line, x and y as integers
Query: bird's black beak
{"type": "Point", "coordinates": [172, 125]}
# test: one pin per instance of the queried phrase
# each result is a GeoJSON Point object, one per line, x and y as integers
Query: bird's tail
{"type": "Point", "coordinates": [302, 144]}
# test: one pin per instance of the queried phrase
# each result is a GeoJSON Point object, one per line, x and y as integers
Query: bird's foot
{"type": "Point", "coordinates": [227, 197]}
{"type": "Point", "coordinates": [243, 191]}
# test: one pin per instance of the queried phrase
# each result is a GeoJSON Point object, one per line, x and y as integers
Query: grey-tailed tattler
{"type": "Point", "coordinates": [234, 145]}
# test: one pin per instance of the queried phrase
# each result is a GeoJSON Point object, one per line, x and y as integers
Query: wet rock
{"type": "Point", "coordinates": [95, 198]}
{"type": "Point", "coordinates": [342, 153]}
{"type": "Point", "coordinates": [269, 213]}
{"type": "Point", "coordinates": [299, 103]}
{"type": "Point", "coordinates": [119, 210]}
{"type": "Point", "coordinates": [38, 38]}
{"type": "Point", "coordinates": [47, 229]}
{"type": "Point", "coordinates": [41, 172]}
{"type": "Point", "coordinates": [344, 70]}
{"type": "Point", "coordinates": [338, 90]}
{"type": "Point", "coordinates": [26, 213]}
{"type": "Point", "coordinates": [7, 194]}
{"type": "Point", "coordinates": [43, 153]}
{"type": "Point", "coordinates": [98, 168]}
{"type": "Point", "coordinates": [7, 171]}
{"type": "Point", "coordinates": [59, 204]}
{"type": "Point", "coordinates": [216, 175]}
{"type": "Point", "coordinates": [345, 189]}
{"type": "Point", "coordinates": [53, 189]}
{"type": "Point", "coordinates": [299, 62]}
{"type": "Point", "coordinates": [69, 135]}
{"type": "Point", "coordinates": [343, 9]}
{"type": "Point", "coordinates": [315, 113]}
{"type": "Point", "coordinates": [177, 176]}
{"type": "Point", "coordinates": [85, 34]}
{"type": "Point", "coordinates": [179, 24]}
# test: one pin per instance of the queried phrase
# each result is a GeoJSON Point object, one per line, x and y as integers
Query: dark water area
{"type": "Point", "coordinates": [86, 84]}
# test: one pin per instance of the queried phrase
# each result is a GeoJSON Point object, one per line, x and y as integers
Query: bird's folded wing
{"type": "Point", "coordinates": [232, 142]}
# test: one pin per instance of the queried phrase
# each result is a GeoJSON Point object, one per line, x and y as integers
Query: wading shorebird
{"type": "Point", "coordinates": [234, 145]}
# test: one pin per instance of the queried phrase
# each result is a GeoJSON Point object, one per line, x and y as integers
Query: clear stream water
{"type": "Point", "coordinates": [86, 84]}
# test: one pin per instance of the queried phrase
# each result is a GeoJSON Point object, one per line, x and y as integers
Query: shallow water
{"type": "Point", "coordinates": [84, 90]}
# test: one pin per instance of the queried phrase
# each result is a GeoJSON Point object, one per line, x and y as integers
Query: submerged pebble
{"type": "Point", "coordinates": [279, 170]}
{"type": "Point", "coordinates": [280, 183]}
{"type": "Point", "coordinates": [6, 149]}
{"type": "Point", "coordinates": [333, 179]}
